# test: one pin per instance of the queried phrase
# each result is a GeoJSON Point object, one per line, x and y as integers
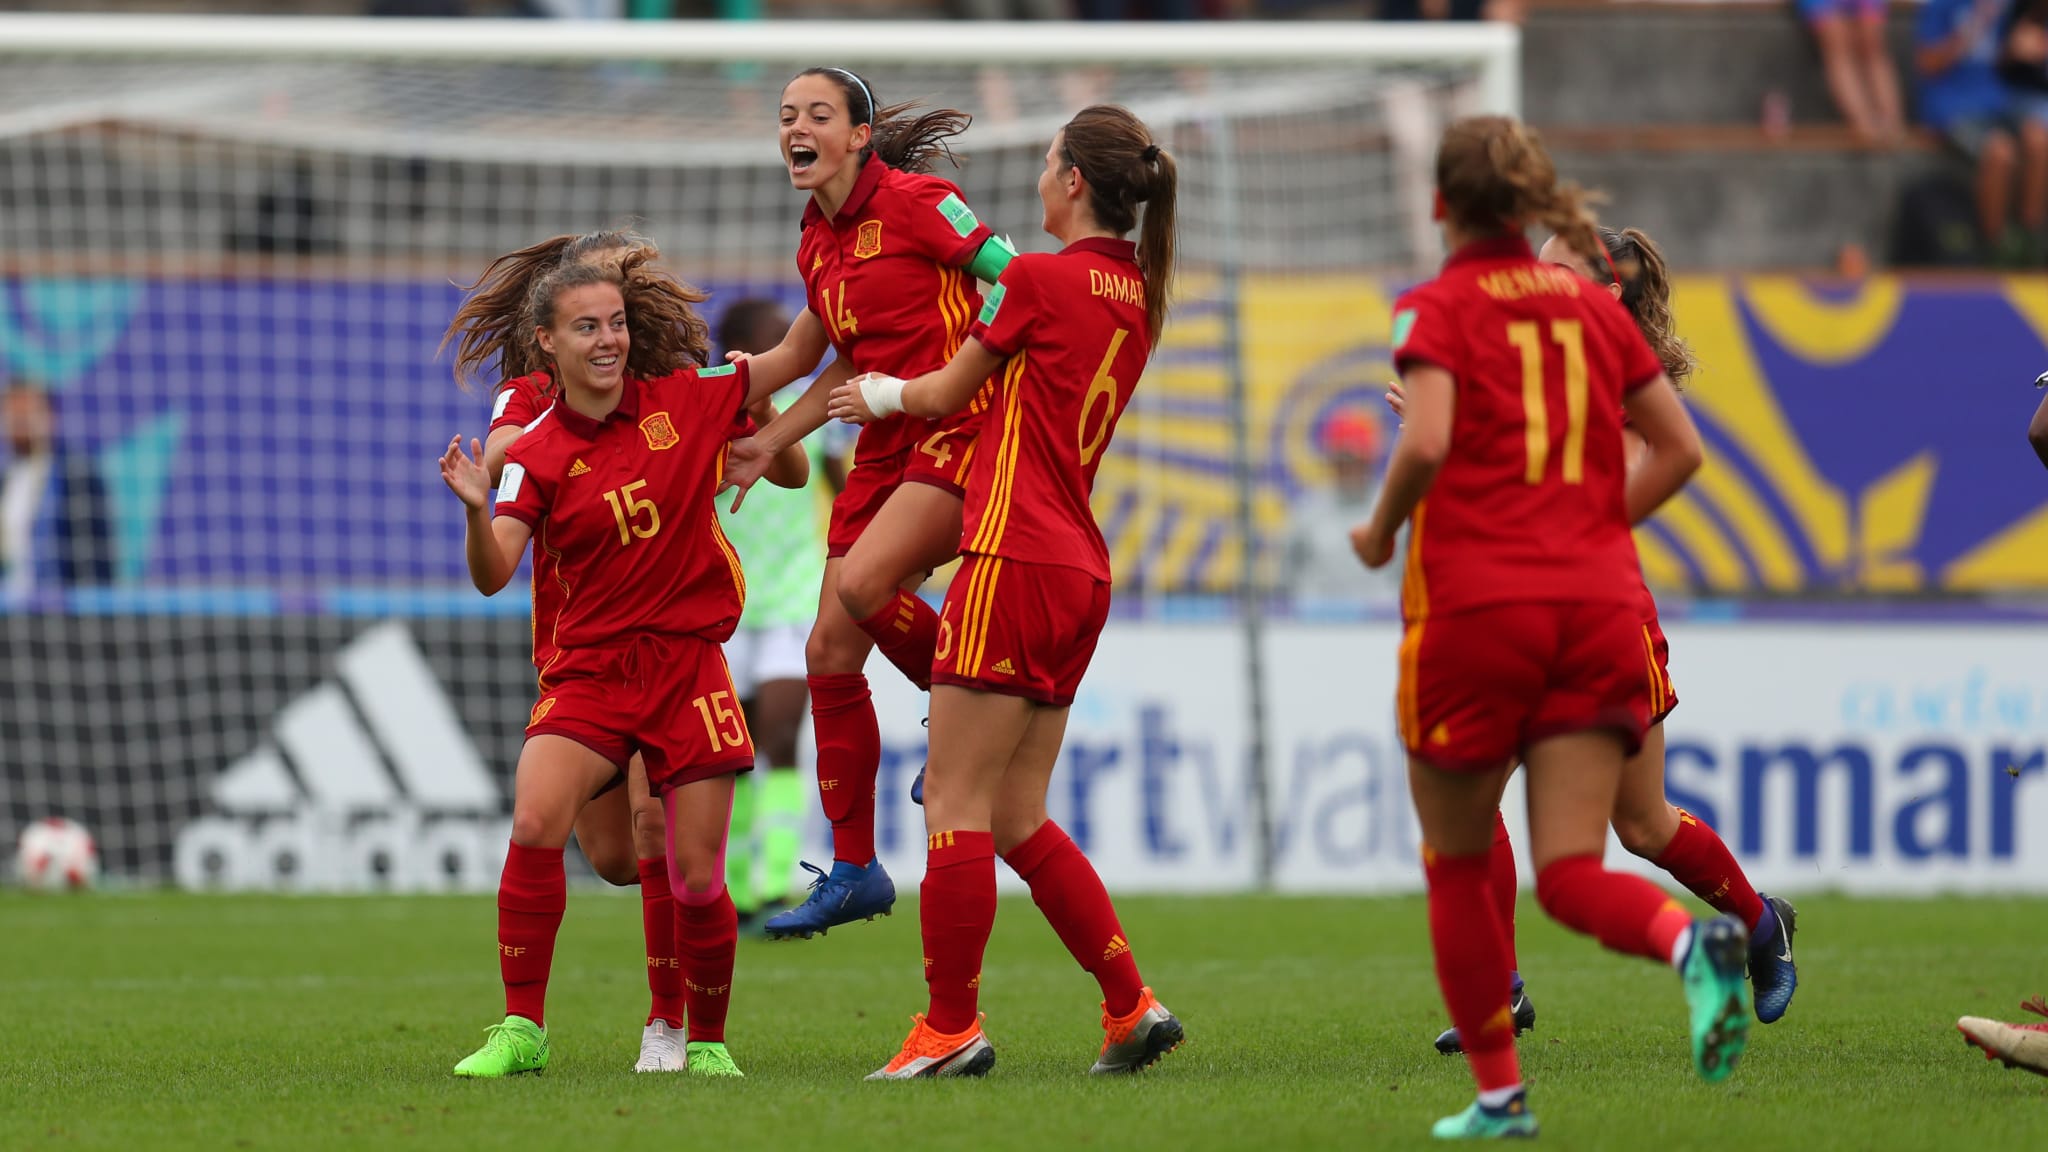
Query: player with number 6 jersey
{"type": "Point", "coordinates": [889, 257]}
{"type": "Point", "coordinates": [1067, 336]}
{"type": "Point", "coordinates": [614, 487]}
{"type": "Point", "coordinates": [1522, 639]}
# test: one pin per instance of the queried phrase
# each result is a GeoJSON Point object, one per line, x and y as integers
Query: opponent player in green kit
{"type": "Point", "coordinates": [780, 538]}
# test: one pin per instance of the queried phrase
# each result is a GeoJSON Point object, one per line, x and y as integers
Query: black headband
{"type": "Point", "coordinates": [864, 90]}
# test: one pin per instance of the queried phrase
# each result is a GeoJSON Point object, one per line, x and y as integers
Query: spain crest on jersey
{"type": "Point", "coordinates": [868, 241]}
{"type": "Point", "coordinates": [661, 432]}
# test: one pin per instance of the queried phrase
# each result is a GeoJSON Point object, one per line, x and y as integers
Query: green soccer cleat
{"type": "Point", "coordinates": [709, 1059]}
{"type": "Point", "coordinates": [1717, 990]}
{"type": "Point", "coordinates": [518, 1045]}
{"type": "Point", "coordinates": [1512, 1121]}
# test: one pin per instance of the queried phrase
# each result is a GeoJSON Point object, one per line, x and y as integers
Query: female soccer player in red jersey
{"type": "Point", "coordinates": [1633, 271]}
{"type": "Point", "coordinates": [1520, 641]}
{"type": "Point", "coordinates": [620, 830]}
{"type": "Point", "coordinates": [615, 484]}
{"type": "Point", "coordinates": [889, 257]}
{"type": "Point", "coordinates": [1068, 334]}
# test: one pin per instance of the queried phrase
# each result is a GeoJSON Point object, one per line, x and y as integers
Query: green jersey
{"type": "Point", "coordinates": [779, 534]}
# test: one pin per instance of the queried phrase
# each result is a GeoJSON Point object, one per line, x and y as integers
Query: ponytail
{"type": "Point", "coordinates": [1495, 176]}
{"type": "Point", "coordinates": [1126, 170]}
{"type": "Point", "coordinates": [897, 138]}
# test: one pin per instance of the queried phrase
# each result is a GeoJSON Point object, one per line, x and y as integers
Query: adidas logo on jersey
{"type": "Point", "coordinates": [369, 781]}
{"type": "Point", "coordinates": [1004, 667]}
{"type": "Point", "coordinates": [579, 468]}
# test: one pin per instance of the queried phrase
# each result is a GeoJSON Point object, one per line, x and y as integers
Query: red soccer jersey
{"type": "Point", "coordinates": [885, 275]}
{"type": "Point", "coordinates": [1073, 329]}
{"type": "Point", "coordinates": [622, 514]}
{"type": "Point", "coordinates": [520, 402]}
{"type": "Point", "coordinates": [1529, 504]}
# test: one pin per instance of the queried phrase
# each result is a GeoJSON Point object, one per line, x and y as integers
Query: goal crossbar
{"type": "Point", "coordinates": [1493, 50]}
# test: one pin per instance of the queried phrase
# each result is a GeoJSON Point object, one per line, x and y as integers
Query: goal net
{"type": "Point", "coordinates": [243, 648]}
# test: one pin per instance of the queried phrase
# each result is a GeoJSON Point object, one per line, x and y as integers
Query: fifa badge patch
{"type": "Point", "coordinates": [959, 215]}
{"type": "Point", "coordinates": [868, 241]}
{"type": "Point", "coordinates": [1404, 324]}
{"type": "Point", "coordinates": [993, 304]}
{"type": "Point", "coordinates": [509, 482]}
{"type": "Point", "coordinates": [660, 431]}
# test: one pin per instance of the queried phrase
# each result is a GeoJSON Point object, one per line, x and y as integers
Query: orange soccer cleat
{"type": "Point", "coordinates": [1135, 1042]}
{"type": "Point", "coordinates": [928, 1053]}
{"type": "Point", "coordinates": [2016, 1045]}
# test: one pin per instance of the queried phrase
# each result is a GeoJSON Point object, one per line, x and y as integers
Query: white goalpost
{"type": "Point", "coordinates": [227, 251]}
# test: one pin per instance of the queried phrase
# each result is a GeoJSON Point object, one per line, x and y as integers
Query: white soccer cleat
{"type": "Point", "coordinates": [2014, 1045]}
{"type": "Point", "coordinates": [661, 1049]}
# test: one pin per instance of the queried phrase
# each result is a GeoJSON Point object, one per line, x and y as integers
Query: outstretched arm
{"type": "Point", "coordinates": [785, 432]}
{"type": "Point", "coordinates": [932, 395]}
{"type": "Point", "coordinates": [493, 546]}
{"type": "Point", "coordinates": [786, 363]}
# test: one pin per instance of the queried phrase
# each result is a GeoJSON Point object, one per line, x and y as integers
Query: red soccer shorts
{"type": "Point", "coordinates": [942, 457]}
{"type": "Point", "coordinates": [1019, 628]}
{"type": "Point", "coordinates": [1663, 697]}
{"type": "Point", "coordinates": [1479, 687]}
{"type": "Point", "coordinates": [669, 698]}
{"type": "Point", "coordinates": [868, 485]}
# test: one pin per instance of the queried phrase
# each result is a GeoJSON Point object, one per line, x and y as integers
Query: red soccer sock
{"type": "Point", "coordinates": [1472, 965]}
{"type": "Point", "coordinates": [1626, 913]}
{"type": "Point", "coordinates": [907, 632]}
{"type": "Point", "coordinates": [849, 754]}
{"type": "Point", "coordinates": [956, 911]}
{"type": "Point", "coordinates": [1067, 889]}
{"type": "Point", "coordinates": [531, 894]}
{"type": "Point", "coordinates": [658, 924]}
{"type": "Point", "coordinates": [1501, 867]}
{"type": "Point", "coordinates": [707, 935]}
{"type": "Point", "coordinates": [1698, 859]}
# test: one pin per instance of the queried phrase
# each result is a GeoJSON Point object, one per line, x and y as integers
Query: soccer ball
{"type": "Point", "coordinates": [57, 853]}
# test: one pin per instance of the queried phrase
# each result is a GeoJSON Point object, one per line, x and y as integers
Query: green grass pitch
{"type": "Point", "coordinates": [157, 1022]}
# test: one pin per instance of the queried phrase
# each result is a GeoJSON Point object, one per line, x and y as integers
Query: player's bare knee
{"type": "Point", "coordinates": [532, 829]}
{"type": "Point", "coordinates": [1013, 828]}
{"type": "Point", "coordinates": [826, 654]}
{"type": "Point", "coordinates": [1642, 836]}
{"type": "Point", "coordinates": [1997, 156]}
{"type": "Point", "coordinates": [864, 591]}
{"type": "Point", "coordinates": [700, 873]}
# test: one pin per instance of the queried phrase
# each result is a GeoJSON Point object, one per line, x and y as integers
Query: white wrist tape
{"type": "Point", "coordinates": [884, 394]}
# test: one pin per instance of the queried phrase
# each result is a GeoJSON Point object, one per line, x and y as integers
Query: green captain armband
{"type": "Point", "coordinates": [995, 255]}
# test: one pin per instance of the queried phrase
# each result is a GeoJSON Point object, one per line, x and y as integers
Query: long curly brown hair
{"type": "Point", "coordinates": [492, 336]}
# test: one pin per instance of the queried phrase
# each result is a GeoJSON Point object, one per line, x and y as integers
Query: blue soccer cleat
{"type": "Point", "coordinates": [1717, 995]}
{"type": "Point", "coordinates": [1510, 1121]}
{"type": "Point", "coordinates": [848, 893]}
{"type": "Point", "coordinates": [1771, 971]}
{"type": "Point", "coordinates": [1450, 1044]}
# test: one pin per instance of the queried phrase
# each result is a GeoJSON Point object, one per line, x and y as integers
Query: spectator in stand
{"type": "Point", "coordinates": [1505, 11]}
{"type": "Point", "coordinates": [1321, 567]}
{"type": "Point", "coordinates": [1853, 53]}
{"type": "Point", "coordinates": [54, 527]}
{"type": "Point", "coordinates": [1012, 9]}
{"type": "Point", "coordinates": [1961, 96]}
